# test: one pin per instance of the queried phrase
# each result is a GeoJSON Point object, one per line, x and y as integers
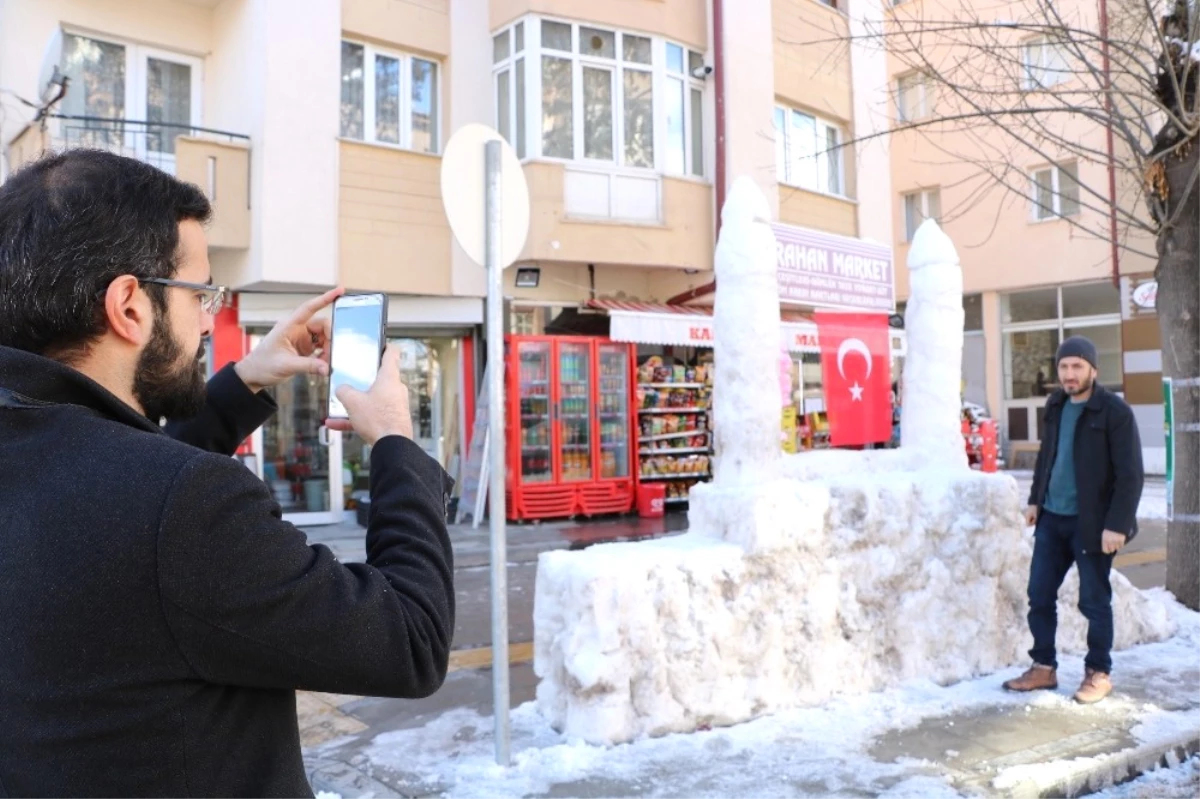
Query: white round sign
{"type": "Point", "coordinates": [464, 179]}
{"type": "Point", "coordinates": [1146, 294]}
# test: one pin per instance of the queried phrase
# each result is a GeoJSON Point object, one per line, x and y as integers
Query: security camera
{"type": "Point", "coordinates": [702, 72]}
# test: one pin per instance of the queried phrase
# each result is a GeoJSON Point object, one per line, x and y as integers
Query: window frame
{"type": "Point", "coordinates": [532, 54]}
{"type": "Point", "coordinates": [821, 126]}
{"type": "Point", "coordinates": [1058, 323]}
{"type": "Point", "coordinates": [921, 83]}
{"type": "Point", "coordinates": [137, 76]}
{"type": "Point", "coordinates": [1029, 70]}
{"type": "Point", "coordinates": [370, 53]}
{"type": "Point", "coordinates": [1053, 213]}
{"type": "Point", "coordinates": [925, 194]}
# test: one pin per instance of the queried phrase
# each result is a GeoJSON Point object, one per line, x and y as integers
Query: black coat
{"type": "Point", "coordinates": [157, 616]}
{"type": "Point", "coordinates": [1108, 465]}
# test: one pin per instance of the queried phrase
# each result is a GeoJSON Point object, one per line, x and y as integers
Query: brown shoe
{"type": "Point", "coordinates": [1038, 678]}
{"type": "Point", "coordinates": [1095, 687]}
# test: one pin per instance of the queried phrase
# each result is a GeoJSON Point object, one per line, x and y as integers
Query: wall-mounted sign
{"type": "Point", "coordinates": [1145, 295]}
{"type": "Point", "coordinates": [824, 270]}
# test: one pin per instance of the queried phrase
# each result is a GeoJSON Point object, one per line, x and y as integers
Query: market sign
{"type": "Point", "coordinates": [824, 270]}
{"type": "Point", "coordinates": [694, 330]}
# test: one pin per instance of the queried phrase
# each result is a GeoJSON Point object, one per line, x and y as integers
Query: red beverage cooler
{"type": "Point", "coordinates": [570, 443]}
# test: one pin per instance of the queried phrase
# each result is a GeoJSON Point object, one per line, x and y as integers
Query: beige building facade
{"type": "Point", "coordinates": [317, 127]}
{"type": "Point", "coordinates": [1035, 270]}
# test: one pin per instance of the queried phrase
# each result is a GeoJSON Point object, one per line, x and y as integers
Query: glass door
{"type": "Point", "coordinates": [295, 465]}
{"type": "Point", "coordinates": [613, 408]}
{"type": "Point", "coordinates": [575, 410]}
{"type": "Point", "coordinates": [170, 95]}
{"type": "Point", "coordinates": [533, 375]}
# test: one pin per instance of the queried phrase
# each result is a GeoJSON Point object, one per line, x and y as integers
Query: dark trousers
{"type": "Point", "coordinates": [1056, 546]}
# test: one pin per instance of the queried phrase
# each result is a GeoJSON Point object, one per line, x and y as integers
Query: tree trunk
{"type": "Point", "coordinates": [1178, 275]}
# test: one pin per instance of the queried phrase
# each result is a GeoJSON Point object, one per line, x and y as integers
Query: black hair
{"type": "Point", "coordinates": [70, 224]}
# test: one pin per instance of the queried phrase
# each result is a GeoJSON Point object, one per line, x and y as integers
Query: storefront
{"type": "Point", "coordinates": [317, 479]}
{"type": "Point", "coordinates": [1032, 325]}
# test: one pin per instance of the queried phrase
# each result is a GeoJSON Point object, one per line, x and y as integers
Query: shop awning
{"type": "Point", "coordinates": [692, 325]}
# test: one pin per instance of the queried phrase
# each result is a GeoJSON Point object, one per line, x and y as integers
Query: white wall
{"type": "Point", "coordinates": [750, 96]}
{"type": "Point", "coordinates": [872, 112]}
{"type": "Point", "coordinates": [471, 100]}
{"type": "Point", "coordinates": [295, 149]}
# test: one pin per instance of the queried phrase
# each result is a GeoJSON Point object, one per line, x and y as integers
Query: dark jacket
{"type": "Point", "coordinates": [157, 616]}
{"type": "Point", "coordinates": [1108, 465]}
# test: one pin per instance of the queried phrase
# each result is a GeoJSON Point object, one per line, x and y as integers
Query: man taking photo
{"type": "Point", "coordinates": [157, 615]}
{"type": "Point", "coordinates": [1086, 487]}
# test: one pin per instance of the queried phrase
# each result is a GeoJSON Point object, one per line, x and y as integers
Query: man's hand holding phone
{"type": "Point", "coordinates": [383, 411]}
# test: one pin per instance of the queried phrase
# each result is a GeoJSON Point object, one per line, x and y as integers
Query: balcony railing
{"type": "Point", "coordinates": [155, 143]}
{"type": "Point", "coordinates": [215, 160]}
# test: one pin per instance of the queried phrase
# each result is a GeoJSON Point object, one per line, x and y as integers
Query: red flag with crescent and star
{"type": "Point", "coordinates": [856, 369]}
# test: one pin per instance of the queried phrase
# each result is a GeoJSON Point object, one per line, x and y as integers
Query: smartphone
{"type": "Point", "coordinates": [356, 346]}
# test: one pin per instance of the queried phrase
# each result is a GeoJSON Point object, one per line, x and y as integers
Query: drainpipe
{"type": "Point", "coordinates": [1108, 135]}
{"type": "Point", "coordinates": [718, 35]}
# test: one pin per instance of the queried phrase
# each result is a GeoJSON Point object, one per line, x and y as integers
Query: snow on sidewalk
{"type": "Point", "coordinates": [810, 751]}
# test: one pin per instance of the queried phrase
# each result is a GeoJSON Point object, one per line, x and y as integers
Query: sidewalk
{"type": "Point", "coordinates": [919, 739]}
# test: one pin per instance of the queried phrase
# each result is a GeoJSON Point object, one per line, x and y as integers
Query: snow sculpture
{"type": "Point", "coordinates": [809, 575]}
{"type": "Point", "coordinates": [933, 323]}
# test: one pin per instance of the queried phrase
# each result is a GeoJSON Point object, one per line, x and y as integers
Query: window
{"type": "Point", "coordinates": [601, 96]}
{"type": "Point", "coordinates": [808, 152]}
{"type": "Point", "coordinates": [1044, 64]}
{"type": "Point", "coordinates": [1055, 191]}
{"type": "Point", "coordinates": [912, 97]}
{"type": "Point", "coordinates": [1035, 321]}
{"type": "Point", "coordinates": [389, 98]}
{"type": "Point", "coordinates": [112, 81]}
{"type": "Point", "coordinates": [919, 206]}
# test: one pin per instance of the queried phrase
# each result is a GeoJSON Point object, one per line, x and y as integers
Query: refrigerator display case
{"type": "Point", "coordinates": [569, 428]}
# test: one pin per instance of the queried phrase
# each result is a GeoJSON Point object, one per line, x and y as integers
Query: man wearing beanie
{"type": "Point", "coordinates": [1086, 488]}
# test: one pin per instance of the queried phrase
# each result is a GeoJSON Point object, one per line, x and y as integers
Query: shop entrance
{"type": "Point", "coordinates": [293, 462]}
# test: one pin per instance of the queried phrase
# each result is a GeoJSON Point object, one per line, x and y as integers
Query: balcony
{"type": "Point", "coordinates": [217, 161]}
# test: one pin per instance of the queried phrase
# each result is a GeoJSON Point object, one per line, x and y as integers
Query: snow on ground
{"type": "Point", "coordinates": [1152, 506]}
{"type": "Point", "coordinates": [805, 752]}
{"type": "Point", "coordinates": [1179, 782]}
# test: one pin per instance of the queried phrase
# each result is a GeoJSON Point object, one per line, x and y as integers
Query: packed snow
{"type": "Point", "coordinates": [806, 577]}
{"type": "Point", "coordinates": [801, 752]}
{"type": "Point", "coordinates": [1178, 782]}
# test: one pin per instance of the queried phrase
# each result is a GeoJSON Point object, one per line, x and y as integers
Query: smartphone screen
{"type": "Point", "coordinates": [356, 346]}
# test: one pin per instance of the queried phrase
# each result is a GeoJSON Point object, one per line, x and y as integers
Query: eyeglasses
{"type": "Point", "coordinates": [212, 298]}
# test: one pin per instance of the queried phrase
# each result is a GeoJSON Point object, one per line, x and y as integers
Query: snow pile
{"type": "Point", "coordinates": [807, 576]}
{"type": "Point", "coordinates": [817, 751]}
{"type": "Point", "coordinates": [909, 578]}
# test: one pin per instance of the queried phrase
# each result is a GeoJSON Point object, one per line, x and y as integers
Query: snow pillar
{"type": "Point", "coordinates": [933, 322]}
{"type": "Point", "coordinates": [746, 330]}
{"type": "Point", "coordinates": [749, 503]}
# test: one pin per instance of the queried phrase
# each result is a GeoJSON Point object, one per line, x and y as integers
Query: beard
{"type": "Point", "coordinates": [1085, 385]}
{"type": "Point", "coordinates": [167, 384]}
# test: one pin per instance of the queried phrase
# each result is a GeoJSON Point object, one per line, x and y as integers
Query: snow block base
{"type": "Point", "coordinates": [849, 585]}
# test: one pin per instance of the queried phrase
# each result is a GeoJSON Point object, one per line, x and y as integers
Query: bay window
{"type": "Point", "coordinates": [389, 98]}
{"type": "Point", "coordinates": [599, 96]}
{"type": "Point", "coordinates": [808, 152]}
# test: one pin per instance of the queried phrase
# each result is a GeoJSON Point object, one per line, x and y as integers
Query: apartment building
{"type": "Point", "coordinates": [1031, 277]}
{"type": "Point", "coordinates": [316, 127]}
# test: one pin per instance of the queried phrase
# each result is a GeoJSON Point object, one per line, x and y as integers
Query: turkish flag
{"type": "Point", "coordinates": [856, 369]}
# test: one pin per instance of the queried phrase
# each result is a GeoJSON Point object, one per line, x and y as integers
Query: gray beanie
{"type": "Point", "coordinates": [1079, 347]}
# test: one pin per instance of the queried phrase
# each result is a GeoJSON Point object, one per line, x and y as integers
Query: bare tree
{"type": "Point", "coordinates": [996, 85]}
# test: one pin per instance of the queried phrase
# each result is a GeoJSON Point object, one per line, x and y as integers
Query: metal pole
{"type": "Point", "coordinates": [496, 510]}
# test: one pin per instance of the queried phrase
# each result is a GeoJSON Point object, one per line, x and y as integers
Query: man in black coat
{"type": "Point", "coordinates": [1084, 501]}
{"type": "Point", "coordinates": [157, 615]}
